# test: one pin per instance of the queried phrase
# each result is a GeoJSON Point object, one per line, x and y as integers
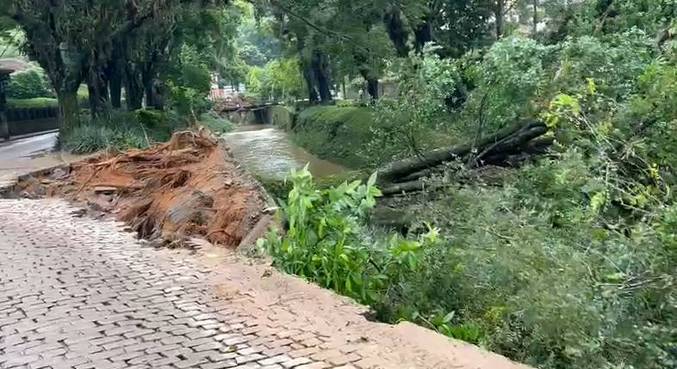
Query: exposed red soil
{"type": "Point", "coordinates": [189, 186]}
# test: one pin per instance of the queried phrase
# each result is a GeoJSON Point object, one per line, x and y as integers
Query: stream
{"type": "Point", "coordinates": [268, 152]}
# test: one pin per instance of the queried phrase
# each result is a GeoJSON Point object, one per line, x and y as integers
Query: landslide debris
{"type": "Point", "coordinates": [190, 186]}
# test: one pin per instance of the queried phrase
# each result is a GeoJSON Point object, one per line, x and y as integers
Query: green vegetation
{"type": "Point", "coordinates": [120, 131]}
{"type": "Point", "coordinates": [29, 84]}
{"type": "Point", "coordinates": [564, 260]}
{"type": "Point", "coordinates": [325, 241]}
{"type": "Point", "coordinates": [561, 254]}
{"type": "Point", "coordinates": [37, 102]}
{"type": "Point", "coordinates": [278, 80]}
{"type": "Point", "coordinates": [334, 133]}
{"type": "Point", "coordinates": [215, 123]}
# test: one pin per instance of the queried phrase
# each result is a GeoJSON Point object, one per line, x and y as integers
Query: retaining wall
{"type": "Point", "coordinates": [23, 121]}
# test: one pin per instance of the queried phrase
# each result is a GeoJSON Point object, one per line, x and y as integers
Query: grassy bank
{"type": "Point", "coordinates": [334, 133]}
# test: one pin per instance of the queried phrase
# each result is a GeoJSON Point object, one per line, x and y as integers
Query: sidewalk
{"type": "Point", "coordinates": [79, 293]}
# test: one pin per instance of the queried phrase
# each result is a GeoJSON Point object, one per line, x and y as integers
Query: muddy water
{"type": "Point", "coordinates": [268, 152]}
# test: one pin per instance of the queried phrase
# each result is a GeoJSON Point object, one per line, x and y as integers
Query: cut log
{"type": "Point", "coordinates": [509, 139]}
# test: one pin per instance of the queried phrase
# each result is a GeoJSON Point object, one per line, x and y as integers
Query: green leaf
{"type": "Point", "coordinates": [372, 180]}
{"type": "Point", "coordinates": [447, 318]}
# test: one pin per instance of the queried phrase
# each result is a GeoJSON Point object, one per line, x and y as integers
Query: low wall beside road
{"type": "Point", "coordinates": [23, 121]}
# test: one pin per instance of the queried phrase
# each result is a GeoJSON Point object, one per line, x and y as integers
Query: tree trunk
{"type": "Point", "coordinates": [510, 139]}
{"type": "Point", "coordinates": [114, 76]}
{"type": "Point", "coordinates": [423, 34]}
{"type": "Point", "coordinates": [114, 72]}
{"type": "Point", "coordinates": [133, 87]}
{"type": "Point", "coordinates": [499, 15]}
{"type": "Point", "coordinates": [397, 31]}
{"type": "Point", "coordinates": [98, 91]}
{"type": "Point", "coordinates": [372, 83]}
{"type": "Point", "coordinates": [147, 77]}
{"type": "Point", "coordinates": [69, 110]}
{"type": "Point", "coordinates": [153, 98]}
{"type": "Point", "coordinates": [313, 96]}
{"type": "Point", "coordinates": [372, 88]}
{"type": "Point", "coordinates": [320, 67]}
{"type": "Point", "coordinates": [534, 30]}
{"type": "Point", "coordinates": [343, 88]}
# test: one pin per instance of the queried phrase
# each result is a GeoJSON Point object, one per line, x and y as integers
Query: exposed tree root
{"type": "Point", "coordinates": [189, 186]}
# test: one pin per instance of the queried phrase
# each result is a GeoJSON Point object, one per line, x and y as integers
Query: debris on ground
{"type": "Point", "coordinates": [190, 186]}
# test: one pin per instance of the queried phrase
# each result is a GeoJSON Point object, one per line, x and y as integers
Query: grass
{"type": "Point", "coordinates": [123, 130]}
{"type": "Point", "coordinates": [45, 102]}
{"type": "Point", "coordinates": [335, 133]}
{"type": "Point", "coordinates": [37, 102]}
{"type": "Point", "coordinates": [215, 123]}
{"type": "Point", "coordinates": [280, 116]}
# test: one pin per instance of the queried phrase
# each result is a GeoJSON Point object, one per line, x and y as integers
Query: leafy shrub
{"type": "Point", "coordinates": [121, 131]}
{"type": "Point", "coordinates": [189, 84]}
{"type": "Point", "coordinates": [326, 240]}
{"type": "Point", "coordinates": [29, 84]}
{"type": "Point", "coordinates": [576, 295]}
{"type": "Point", "coordinates": [410, 124]}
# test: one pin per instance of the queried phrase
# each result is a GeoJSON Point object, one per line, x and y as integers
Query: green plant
{"type": "Point", "coordinates": [410, 124]}
{"type": "Point", "coordinates": [326, 240]}
{"type": "Point", "coordinates": [29, 84]}
{"type": "Point", "coordinates": [215, 123]}
{"type": "Point", "coordinates": [37, 102]}
{"type": "Point", "coordinates": [335, 133]}
{"type": "Point", "coordinates": [120, 131]}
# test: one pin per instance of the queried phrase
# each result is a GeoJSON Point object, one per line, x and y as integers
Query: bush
{"type": "Point", "coordinates": [416, 120]}
{"type": "Point", "coordinates": [576, 295]}
{"type": "Point", "coordinates": [29, 84]}
{"type": "Point", "coordinates": [566, 262]}
{"type": "Point", "coordinates": [326, 243]}
{"type": "Point", "coordinates": [121, 131]}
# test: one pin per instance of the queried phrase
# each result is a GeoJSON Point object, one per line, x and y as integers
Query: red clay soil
{"type": "Point", "coordinates": [187, 187]}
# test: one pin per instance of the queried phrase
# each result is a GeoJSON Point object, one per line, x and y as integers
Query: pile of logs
{"type": "Point", "coordinates": [508, 146]}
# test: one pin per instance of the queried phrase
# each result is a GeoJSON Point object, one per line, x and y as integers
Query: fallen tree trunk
{"type": "Point", "coordinates": [508, 141]}
{"type": "Point", "coordinates": [410, 186]}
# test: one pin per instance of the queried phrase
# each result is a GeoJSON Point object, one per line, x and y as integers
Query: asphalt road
{"type": "Point", "coordinates": [25, 155]}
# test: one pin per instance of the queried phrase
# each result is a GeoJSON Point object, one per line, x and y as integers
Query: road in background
{"type": "Point", "coordinates": [21, 156]}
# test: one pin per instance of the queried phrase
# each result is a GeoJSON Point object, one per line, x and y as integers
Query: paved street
{"type": "Point", "coordinates": [80, 293]}
{"type": "Point", "coordinates": [24, 155]}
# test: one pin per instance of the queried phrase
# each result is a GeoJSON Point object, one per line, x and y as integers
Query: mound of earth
{"type": "Point", "coordinates": [190, 186]}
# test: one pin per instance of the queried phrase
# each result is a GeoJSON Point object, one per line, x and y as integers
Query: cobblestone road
{"type": "Point", "coordinates": [79, 293]}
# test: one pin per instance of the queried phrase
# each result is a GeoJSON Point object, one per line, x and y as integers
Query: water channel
{"type": "Point", "coordinates": [268, 152]}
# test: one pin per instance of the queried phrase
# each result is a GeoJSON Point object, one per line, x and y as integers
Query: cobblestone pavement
{"type": "Point", "coordinates": [79, 293]}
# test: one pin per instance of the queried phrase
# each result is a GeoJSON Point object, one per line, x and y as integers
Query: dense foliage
{"type": "Point", "coordinates": [27, 85]}
{"type": "Point", "coordinates": [567, 261]}
{"type": "Point", "coordinates": [326, 240]}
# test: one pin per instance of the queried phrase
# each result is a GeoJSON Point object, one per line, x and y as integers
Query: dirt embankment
{"type": "Point", "coordinates": [187, 187]}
